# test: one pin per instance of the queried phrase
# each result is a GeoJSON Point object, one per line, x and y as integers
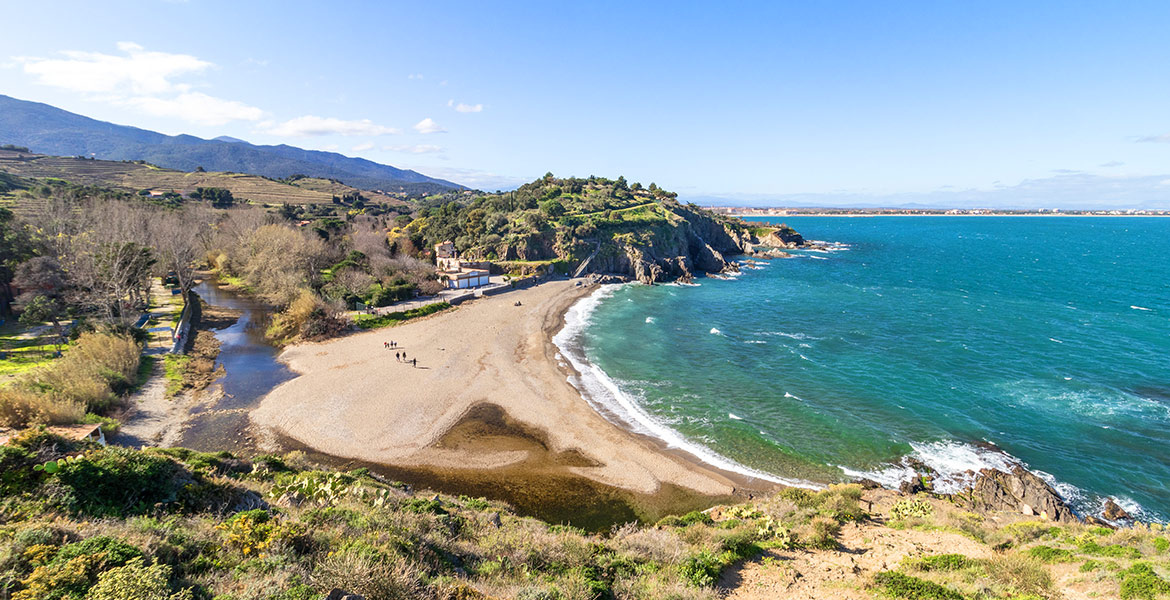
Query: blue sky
{"type": "Point", "coordinates": [939, 103]}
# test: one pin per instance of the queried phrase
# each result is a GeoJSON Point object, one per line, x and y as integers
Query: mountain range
{"type": "Point", "coordinates": [46, 129]}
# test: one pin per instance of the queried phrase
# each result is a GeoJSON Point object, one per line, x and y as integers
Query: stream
{"type": "Point", "coordinates": [250, 371]}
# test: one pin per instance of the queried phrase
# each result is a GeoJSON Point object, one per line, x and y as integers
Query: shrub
{"type": "Point", "coordinates": [250, 532]}
{"type": "Point", "coordinates": [112, 551]}
{"type": "Point", "coordinates": [911, 508]}
{"type": "Point", "coordinates": [900, 585]}
{"type": "Point", "coordinates": [702, 569]}
{"type": "Point", "coordinates": [695, 517]}
{"type": "Point", "coordinates": [135, 581]}
{"type": "Point", "coordinates": [941, 562]}
{"type": "Point", "coordinates": [1139, 582]}
{"type": "Point", "coordinates": [93, 372]}
{"type": "Point", "coordinates": [1087, 545]}
{"type": "Point", "coordinates": [1050, 554]}
{"type": "Point", "coordinates": [1020, 573]}
{"type": "Point", "coordinates": [97, 368]}
{"type": "Point", "coordinates": [116, 481]}
{"type": "Point", "coordinates": [69, 573]}
{"type": "Point", "coordinates": [821, 534]}
{"type": "Point", "coordinates": [374, 577]}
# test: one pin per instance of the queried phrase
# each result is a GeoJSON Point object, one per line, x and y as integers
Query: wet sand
{"type": "Point", "coordinates": [489, 407]}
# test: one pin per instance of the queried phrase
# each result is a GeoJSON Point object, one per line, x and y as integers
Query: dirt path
{"type": "Point", "coordinates": [866, 549]}
{"type": "Point", "coordinates": [151, 418]}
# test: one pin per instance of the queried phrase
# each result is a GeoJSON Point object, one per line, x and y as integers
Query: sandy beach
{"type": "Point", "coordinates": [489, 394]}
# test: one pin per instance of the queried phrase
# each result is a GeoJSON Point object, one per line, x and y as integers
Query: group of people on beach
{"type": "Point", "coordinates": [400, 356]}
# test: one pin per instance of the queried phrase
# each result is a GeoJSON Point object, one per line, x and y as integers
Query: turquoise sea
{"type": "Point", "coordinates": [963, 342]}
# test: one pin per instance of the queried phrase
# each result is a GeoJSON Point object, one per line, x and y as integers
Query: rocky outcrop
{"type": "Point", "coordinates": [1113, 512]}
{"type": "Point", "coordinates": [1019, 491]}
{"type": "Point", "coordinates": [786, 237]}
{"type": "Point", "coordinates": [692, 241]}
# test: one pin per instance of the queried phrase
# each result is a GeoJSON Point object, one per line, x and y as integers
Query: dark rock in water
{"type": "Point", "coordinates": [1094, 521]}
{"type": "Point", "coordinates": [868, 484]}
{"type": "Point", "coordinates": [1113, 512]}
{"type": "Point", "coordinates": [597, 278]}
{"type": "Point", "coordinates": [1019, 491]}
{"type": "Point", "coordinates": [912, 486]}
{"type": "Point", "coordinates": [920, 467]}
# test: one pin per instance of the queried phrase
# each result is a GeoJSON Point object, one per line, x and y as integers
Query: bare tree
{"type": "Point", "coordinates": [109, 259]}
{"type": "Point", "coordinates": [176, 238]}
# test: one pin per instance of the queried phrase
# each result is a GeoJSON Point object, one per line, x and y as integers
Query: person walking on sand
{"type": "Point", "coordinates": [404, 357]}
{"type": "Point", "coordinates": [414, 362]}
{"type": "Point", "coordinates": [397, 357]}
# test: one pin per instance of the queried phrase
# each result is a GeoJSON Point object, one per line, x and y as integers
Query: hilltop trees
{"type": "Point", "coordinates": [218, 197]}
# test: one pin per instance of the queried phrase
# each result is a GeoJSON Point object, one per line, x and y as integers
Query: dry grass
{"type": "Point", "coordinates": [87, 379]}
{"type": "Point", "coordinates": [20, 407]}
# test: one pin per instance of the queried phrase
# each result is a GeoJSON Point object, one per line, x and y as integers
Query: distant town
{"type": "Point", "coordinates": [740, 211]}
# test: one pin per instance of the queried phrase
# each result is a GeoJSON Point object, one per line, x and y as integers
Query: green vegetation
{"type": "Point", "coordinates": [900, 585]}
{"type": "Point", "coordinates": [1050, 554]}
{"type": "Point", "coordinates": [941, 562]}
{"type": "Point", "coordinates": [911, 508]}
{"type": "Point", "coordinates": [395, 318]}
{"type": "Point", "coordinates": [175, 365]}
{"type": "Point", "coordinates": [1140, 582]}
{"type": "Point", "coordinates": [82, 521]}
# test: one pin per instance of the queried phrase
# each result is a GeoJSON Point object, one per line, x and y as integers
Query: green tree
{"type": "Point", "coordinates": [552, 208]}
{"type": "Point", "coordinates": [16, 246]}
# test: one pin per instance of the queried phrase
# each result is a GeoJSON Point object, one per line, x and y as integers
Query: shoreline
{"type": "Point", "coordinates": [490, 409]}
{"type": "Point", "coordinates": [747, 217]}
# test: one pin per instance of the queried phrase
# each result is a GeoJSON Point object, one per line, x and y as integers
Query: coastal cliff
{"type": "Point", "coordinates": [596, 226]}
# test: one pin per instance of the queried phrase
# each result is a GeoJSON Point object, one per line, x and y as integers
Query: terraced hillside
{"type": "Point", "coordinates": [135, 176]}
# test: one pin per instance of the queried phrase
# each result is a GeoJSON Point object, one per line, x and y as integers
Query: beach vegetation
{"type": "Point", "coordinates": [396, 318]}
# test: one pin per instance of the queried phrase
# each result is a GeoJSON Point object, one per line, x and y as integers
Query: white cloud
{"type": "Point", "coordinates": [428, 125]}
{"type": "Point", "coordinates": [139, 79]}
{"type": "Point", "coordinates": [310, 125]}
{"type": "Point", "coordinates": [1164, 138]}
{"type": "Point", "coordinates": [465, 108]}
{"type": "Point", "coordinates": [138, 72]}
{"type": "Point", "coordinates": [363, 147]}
{"type": "Point", "coordinates": [483, 180]}
{"type": "Point", "coordinates": [415, 149]}
{"type": "Point", "coordinates": [414, 76]}
{"type": "Point", "coordinates": [196, 107]}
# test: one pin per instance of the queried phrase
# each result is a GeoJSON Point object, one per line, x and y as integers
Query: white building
{"type": "Point", "coordinates": [457, 274]}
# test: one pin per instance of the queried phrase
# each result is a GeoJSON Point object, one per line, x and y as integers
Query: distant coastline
{"type": "Point", "coordinates": [748, 213]}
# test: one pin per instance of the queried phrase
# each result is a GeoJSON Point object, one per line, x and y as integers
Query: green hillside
{"type": "Point", "coordinates": [50, 130]}
{"type": "Point", "coordinates": [134, 177]}
{"type": "Point", "coordinates": [609, 226]}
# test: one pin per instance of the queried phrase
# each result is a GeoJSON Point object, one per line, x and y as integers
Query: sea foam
{"type": "Point", "coordinates": [608, 398]}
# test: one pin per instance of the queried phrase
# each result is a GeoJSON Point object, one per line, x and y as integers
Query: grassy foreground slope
{"type": "Point", "coordinates": [167, 524]}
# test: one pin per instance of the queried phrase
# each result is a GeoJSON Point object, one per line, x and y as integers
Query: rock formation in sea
{"type": "Point", "coordinates": [1018, 490]}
